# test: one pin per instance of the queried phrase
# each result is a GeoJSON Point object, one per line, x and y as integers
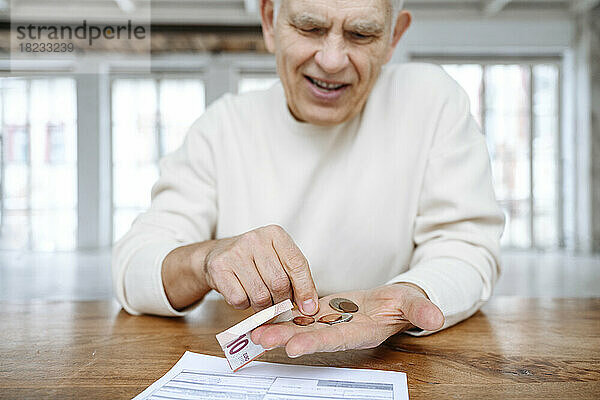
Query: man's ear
{"type": "Point", "coordinates": [402, 23]}
{"type": "Point", "coordinates": [268, 24]}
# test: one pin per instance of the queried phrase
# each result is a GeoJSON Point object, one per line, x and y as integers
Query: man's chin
{"type": "Point", "coordinates": [326, 116]}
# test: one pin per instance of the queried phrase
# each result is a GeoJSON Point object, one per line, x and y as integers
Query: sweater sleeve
{"type": "Point", "coordinates": [183, 211]}
{"type": "Point", "coordinates": [458, 223]}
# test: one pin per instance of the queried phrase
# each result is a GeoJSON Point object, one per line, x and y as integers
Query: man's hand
{"type": "Point", "coordinates": [255, 269]}
{"type": "Point", "coordinates": [258, 269]}
{"type": "Point", "coordinates": [380, 315]}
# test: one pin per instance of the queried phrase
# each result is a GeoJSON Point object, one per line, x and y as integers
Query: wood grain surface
{"type": "Point", "coordinates": [514, 348]}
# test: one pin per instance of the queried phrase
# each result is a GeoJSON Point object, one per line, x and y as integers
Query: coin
{"type": "Point", "coordinates": [330, 318]}
{"type": "Point", "coordinates": [346, 317]}
{"type": "Point", "coordinates": [303, 320]}
{"type": "Point", "coordinates": [348, 305]}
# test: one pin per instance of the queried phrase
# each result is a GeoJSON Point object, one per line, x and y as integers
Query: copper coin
{"type": "Point", "coordinates": [335, 304]}
{"type": "Point", "coordinates": [348, 306]}
{"type": "Point", "coordinates": [303, 320]}
{"type": "Point", "coordinates": [330, 318]}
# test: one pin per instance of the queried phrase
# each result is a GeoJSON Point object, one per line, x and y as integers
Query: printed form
{"type": "Point", "coordinates": [198, 376]}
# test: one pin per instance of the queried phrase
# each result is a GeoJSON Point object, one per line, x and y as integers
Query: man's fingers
{"type": "Point", "coordinates": [257, 333]}
{"type": "Point", "coordinates": [420, 311]}
{"type": "Point", "coordinates": [230, 287]}
{"type": "Point", "coordinates": [427, 315]}
{"type": "Point", "coordinates": [296, 266]}
{"type": "Point", "coordinates": [273, 274]}
{"type": "Point", "coordinates": [267, 266]}
{"type": "Point", "coordinates": [275, 335]}
{"type": "Point", "coordinates": [259, 295]}
{"type": "Point", "coordinates": [298, 342]}
{"type": "Point", "coordinates": [328, 339]}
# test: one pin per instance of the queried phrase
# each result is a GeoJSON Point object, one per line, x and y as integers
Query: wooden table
{"type": "Point", "coordinates": [513, 348]}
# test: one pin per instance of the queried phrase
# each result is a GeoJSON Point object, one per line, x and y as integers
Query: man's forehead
{"type": "Point", "coordinates": [367, 13]}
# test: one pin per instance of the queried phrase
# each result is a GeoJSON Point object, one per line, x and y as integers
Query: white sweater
{"type": "Point", "coordinates": [402, 192]}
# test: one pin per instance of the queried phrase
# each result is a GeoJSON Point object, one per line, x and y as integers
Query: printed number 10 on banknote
{"type": "Point", "coordinates": [241, 351]}
{"type": "Point", "coordinates": [236, 342]}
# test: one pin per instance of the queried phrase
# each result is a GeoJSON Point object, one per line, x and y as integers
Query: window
{"type": "Point", "coordinates": [517, 106]}
{"type": "Point", "coordinates": [150, 118]}
{"type": "Point", "coordinates": [38, 180]}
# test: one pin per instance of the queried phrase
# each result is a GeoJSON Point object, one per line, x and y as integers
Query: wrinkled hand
{"type": "Point", "coordinates": [381, 314]}
{"type": "Point", "coordinates": [260, 268]}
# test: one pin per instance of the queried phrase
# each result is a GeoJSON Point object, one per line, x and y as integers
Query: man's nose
{"type": "Point", "coordinates": [332, 57]}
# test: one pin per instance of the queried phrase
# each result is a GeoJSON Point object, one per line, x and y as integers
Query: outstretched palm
{"type": "Point", "coordinates": [383, 311]}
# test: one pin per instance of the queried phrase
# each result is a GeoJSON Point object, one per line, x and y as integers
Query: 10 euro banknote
{"type": "Point", "coordinates": [236, 342]}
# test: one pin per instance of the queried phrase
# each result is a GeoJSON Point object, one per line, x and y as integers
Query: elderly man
{"type": "Point", "coordinates": [377, 177]}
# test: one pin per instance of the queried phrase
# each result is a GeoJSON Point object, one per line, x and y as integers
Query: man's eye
{"type": "Point", "coordinates": [359, 36]}
{"type": "Point", "coordinates": [312, 30]}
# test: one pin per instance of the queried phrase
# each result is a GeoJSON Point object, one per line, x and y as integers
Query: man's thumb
{"type": "Point", "coordinates": [420, 311]}
{"type": "Point", "coordinates": [425, 315]}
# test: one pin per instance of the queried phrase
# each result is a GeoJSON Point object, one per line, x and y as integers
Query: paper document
{"type": "Point", "coordinates": [198, 376]}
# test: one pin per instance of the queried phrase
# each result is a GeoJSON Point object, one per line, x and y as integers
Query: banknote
{"type": "Point", "coordinates": [236, 342]}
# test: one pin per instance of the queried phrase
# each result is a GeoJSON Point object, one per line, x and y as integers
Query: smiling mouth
{"type": "Point", "coordinates": [325, 86]}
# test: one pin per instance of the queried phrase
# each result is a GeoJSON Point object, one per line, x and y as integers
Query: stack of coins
{"type": "Point", "coordinates": [344, 306]}
{"type": "Point", "coordinates": [331, 319]}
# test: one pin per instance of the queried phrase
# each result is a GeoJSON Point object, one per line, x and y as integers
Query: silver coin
{"type": "Point", "coordinates": [346, 317]}
{"type": "Point", "coordinates": [335, 304]}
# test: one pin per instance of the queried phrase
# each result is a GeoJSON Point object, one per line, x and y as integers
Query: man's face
{"type": "Point", "coordinates": [329, 54]}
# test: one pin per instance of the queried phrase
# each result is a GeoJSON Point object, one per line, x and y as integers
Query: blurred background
{"type": "Point", "coordinates": [81, 132]}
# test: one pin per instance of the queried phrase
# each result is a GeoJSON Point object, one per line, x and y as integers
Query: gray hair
{"type": "Point", "coordinates": [396, 8]}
